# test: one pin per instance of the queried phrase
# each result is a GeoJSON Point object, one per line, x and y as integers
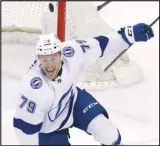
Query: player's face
{"type": "Point", "coordinates": [51, 64]}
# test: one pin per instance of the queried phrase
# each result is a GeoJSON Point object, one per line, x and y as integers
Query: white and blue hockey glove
{"type": "Point", "coordinates": [138, 33]}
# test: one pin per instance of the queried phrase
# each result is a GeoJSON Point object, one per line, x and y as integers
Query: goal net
{"type": "Point", "coordinates": [23, 22]}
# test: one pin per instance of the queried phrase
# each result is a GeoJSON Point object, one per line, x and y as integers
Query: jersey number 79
{"type": "Point", "coordinates": [30, 105]}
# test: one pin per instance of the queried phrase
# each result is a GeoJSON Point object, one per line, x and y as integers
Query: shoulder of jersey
{"type": "Point", "coordinates": [68, 50]}
{"type": "Point", "coordinates": [33, 80]}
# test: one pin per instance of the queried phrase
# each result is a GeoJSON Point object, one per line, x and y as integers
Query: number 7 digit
{"type": "Point", "coordinates": [24, 101]}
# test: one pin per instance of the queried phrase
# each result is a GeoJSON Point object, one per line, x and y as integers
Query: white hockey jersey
{"type": "Point", "coordinates": [45, 105]}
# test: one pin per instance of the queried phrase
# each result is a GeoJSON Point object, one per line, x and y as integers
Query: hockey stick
{"type": "Point", "coordinates": [128, 48]}
{"type": "Point", "coordinates": [102, 5]}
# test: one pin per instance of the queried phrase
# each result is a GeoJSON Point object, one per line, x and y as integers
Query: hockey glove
{"type": "Point", "coordinates": [138, 33]}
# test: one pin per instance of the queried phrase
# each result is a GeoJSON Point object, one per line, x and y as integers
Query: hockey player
{"type": "Point", "coordinates": [49, 102]}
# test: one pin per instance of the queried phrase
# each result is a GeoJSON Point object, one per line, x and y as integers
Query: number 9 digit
{"type": "Point", "coordinates": [31, 107]}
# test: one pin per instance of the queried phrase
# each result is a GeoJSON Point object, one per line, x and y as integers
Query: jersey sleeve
{"type": "Point", "coordinates": [114, 44]}
{"type": "Point", "coordinates": [95, 47]}
{"type": "Point", "coordinates": [29, 116]}
{"type": "Point", "coordinates": [87, 51]}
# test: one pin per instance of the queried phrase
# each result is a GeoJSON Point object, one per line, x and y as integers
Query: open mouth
{"type": "Point", "coordinates": [50, 71]}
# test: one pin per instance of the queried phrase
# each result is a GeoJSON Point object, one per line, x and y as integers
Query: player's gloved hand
{"type": "Point", "coordinates": [140, 32]}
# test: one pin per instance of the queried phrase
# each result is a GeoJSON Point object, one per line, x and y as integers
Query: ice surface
{"type": "Point", "coordinates": [133, 109]}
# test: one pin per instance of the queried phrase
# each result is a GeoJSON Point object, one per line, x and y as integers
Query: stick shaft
{"type": "Point", "coordinates": [102, 5]}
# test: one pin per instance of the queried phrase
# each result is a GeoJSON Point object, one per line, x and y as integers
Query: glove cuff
{"type": "Point", "coordinates": [128, 34]}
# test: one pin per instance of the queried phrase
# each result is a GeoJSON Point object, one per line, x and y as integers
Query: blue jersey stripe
{"type": "Point", "coordinates": [60, 105]}
{"type": "Point", "coordinates": [103, 41]}
{"type": "Point", "coordinates": [27, 128]}
{"type": "Point", "coordinates": [118, 141]}
{"type": "Point", "coordinates": [60, 102]}
{"type": "Point", "coordinates": [69, 112]}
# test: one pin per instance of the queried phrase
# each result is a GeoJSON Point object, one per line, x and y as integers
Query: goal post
{"type": "Point", "coordinates": [61, 20]}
